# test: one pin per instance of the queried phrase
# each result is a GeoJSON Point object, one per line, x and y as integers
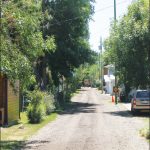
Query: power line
{"type": "Point", "coordinates": [110, 6]}
{"type": "Point", "coordinates": [75, 18]}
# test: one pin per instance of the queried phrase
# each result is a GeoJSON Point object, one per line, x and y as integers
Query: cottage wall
{"type": "Point", "coordinates": [13, 101]}
{"type": "Point", "coordinates": [1, 91]}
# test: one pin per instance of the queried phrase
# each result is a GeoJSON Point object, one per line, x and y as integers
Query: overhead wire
{"type": "Point", "coordinates": [102, 9]}
{"type": "Point", "coordinates": [75, 18]}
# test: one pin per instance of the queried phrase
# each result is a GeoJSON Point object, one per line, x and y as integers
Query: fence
{"type": "Point", "coordinates": [48, 100]}
{"type": "Point", "coordinates": [25, 103]}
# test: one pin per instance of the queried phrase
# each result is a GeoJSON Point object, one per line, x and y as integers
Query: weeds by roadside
{"type": "Point", "coordinates": [145, 132]}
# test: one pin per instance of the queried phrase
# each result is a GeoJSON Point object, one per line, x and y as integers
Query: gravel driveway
{"type": "Point", "coordinates": [93, 123]}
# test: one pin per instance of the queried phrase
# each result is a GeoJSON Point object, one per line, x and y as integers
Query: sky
{"type": "Point", "coordinates": [104, 14]}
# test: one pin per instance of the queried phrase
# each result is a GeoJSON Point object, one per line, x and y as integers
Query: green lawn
{"type": "Point", "coordinates": [14, 136]}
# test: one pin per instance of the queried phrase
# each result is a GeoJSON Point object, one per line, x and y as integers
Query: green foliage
{"type": "Point", "coordinates": [88, 71]}
{"type": "Point", "coordinates": [68, 94]}
{"type": "Point", "coordinates": [30, 85]}
{"type": "Point", "coordinates": [41, 104]}
{"type": "Point", "coordinates": [148, 134]}
{"type": "Point", "coordinates": [22, 41]}
{"type": "Point", "coordinates": [128, 46]}
{"type": "Point", "coordinates": [35, 113]}
{"type": "Point", "coordinates": [41, 40]}
{"type": "Point", "coordinates": [49, 103]}
{"type": "Point", "coordinates": [69, 25]}
{"type": "Point", "coordinates": [145, 132]}
{"type": "Point", "coordinates": [75, 82]}
{"type": "Point", "coordinates": [36, 109]}
{"type": "Point", "coordinates": [98, 84]}
{"type": "Point", "coordinates": [71, 86]}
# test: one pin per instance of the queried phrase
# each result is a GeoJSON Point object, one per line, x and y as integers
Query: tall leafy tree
{"type": "Point", "coordinates": [22, 41]}
{"type": "Point", "coordinates": [128, 46]}
{"type": "Point", "coordinates": [69, 25]}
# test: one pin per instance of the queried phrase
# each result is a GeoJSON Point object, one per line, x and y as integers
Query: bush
{"type": "Point", "coordinates": [35, 114]}
{"type": "Point", "coordinates": [145, 132]}
{"type": "Point", "coordinates": [147, 135]}
{"type": "Point", "coordinates": [68, 95]}
{"type": "Point", "coordinates": [49, 103]}
{"type": "Point", "coordinates": [98, 84]}
{"type": "Point", "coordinates": [36, 109]}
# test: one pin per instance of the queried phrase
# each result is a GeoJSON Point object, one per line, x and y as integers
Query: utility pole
{"type": "Point", "coordinates": [115, 10]}
{"type": "Point", "coordinates": [99, 66]}
{"type": "Point", "coordinates": [101, 63]}
{"type": "Point", "coordinates": [115, 61]}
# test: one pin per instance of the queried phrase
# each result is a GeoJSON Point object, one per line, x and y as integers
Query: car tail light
{"type": "Point", "coordinates": [134, 102]}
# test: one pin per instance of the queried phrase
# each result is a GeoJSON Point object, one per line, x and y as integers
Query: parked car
{"type": "Point", "coordinates": [140, 101]}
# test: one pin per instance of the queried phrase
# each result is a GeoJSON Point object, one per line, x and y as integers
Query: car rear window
{"type": "Point", "coordinates": [143, 94]}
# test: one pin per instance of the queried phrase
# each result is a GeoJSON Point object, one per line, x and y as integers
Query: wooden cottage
{"type": "Point", "coordinates": [9, 101]}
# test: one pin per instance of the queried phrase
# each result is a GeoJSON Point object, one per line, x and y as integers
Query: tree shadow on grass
{"type": "Point", "coordinates": [128, 114]}
{"type": "Point", "coordinates": [79, 107]}
{"type": "Point", "coordinates": [11, 145]}
{"type": "Point", "coordinates": [20, 145]}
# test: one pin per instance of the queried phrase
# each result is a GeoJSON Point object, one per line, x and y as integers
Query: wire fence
{"type": "Point", "coordinates": [49, 100]}
{"type": "Point", "coordinates": [25, 103]}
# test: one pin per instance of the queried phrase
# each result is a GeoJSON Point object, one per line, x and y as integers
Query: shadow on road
{"type": "Point", "coordinates": [128, 113]}
{"type": "Point", "coordinates": [142, 114]}
{"type": "Point", "coordinates": [30, 144]}
{"type": "Point", "coordinates": [79, 107]}
{"type": "Point", "coordinates": [120, 113]}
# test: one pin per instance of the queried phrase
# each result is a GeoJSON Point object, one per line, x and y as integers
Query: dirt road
{"type": "Point", "coordinates": [93, 123]}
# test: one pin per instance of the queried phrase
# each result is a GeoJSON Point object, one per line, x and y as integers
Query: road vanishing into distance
{"type": "Point", "coordinates": [92, 122]}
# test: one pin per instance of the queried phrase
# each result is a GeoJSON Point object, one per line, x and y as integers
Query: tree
{"type": "Point", "coordinates": [22, 41]}
{"type": "Point", "coordinates": [128, 46]}
{"type": "Point", "coordinates": [39, 42]}
{"type": "Point", "coordinates": [69, 25]}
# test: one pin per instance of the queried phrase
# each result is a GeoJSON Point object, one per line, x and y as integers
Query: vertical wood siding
{"type": "Point", "coordinates": [1, 91]}
{"type": "Point", "coordinates": [13, 102]}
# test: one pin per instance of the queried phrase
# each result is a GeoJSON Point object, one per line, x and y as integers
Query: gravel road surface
{"type": "Point", "coordinates": [92, 123]}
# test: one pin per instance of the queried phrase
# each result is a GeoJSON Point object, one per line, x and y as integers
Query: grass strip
{"type": "Point", "coordinates": [145, 132]}
{"type": "Point", "coordinates": [14, 137]}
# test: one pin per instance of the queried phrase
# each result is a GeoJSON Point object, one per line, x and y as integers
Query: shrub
{"type": "Point", "coordinates": [35, 114]}
{"type": "Point", "coordinates": [145, 132]}
{"type": "Point", "coordinates": [97, 84]}
{"type": "Point", "coordinates": [49, 103]}
{"type": "Point", "coordinates": [36, 108]}
{"type": "Point", "coordinates": [68, 95]}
